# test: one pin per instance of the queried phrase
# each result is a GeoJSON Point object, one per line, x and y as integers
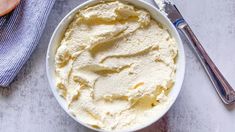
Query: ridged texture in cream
{"type": "Point", "coordinates": [115, 66]}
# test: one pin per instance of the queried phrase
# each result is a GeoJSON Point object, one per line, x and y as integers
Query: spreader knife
{"type": "Point", "coordinates": [223, 88]}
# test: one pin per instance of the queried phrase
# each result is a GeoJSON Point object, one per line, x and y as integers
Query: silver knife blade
{"type": "Point", "coordinates": [172, 13]}
{"type": "Point", "coordinates": [168, 8]}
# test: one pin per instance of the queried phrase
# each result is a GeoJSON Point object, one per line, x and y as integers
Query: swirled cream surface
{"type": "Point", "coordinates": [115, 66]}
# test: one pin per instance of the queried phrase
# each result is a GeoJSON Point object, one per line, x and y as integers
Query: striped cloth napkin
{"type": "Point", "coordinates": [20, 32]}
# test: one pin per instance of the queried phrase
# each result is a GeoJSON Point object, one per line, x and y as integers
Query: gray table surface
{"type": "Point", "coordinates": [28, 104]}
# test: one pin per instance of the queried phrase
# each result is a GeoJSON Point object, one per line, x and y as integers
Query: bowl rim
{"type": "Point", "coordinates": [181, 64]}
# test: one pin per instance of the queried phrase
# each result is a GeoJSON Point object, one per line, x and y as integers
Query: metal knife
{"type": "Point", "coordinates": [223, 88]}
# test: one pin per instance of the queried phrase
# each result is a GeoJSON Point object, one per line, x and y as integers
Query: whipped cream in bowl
{"type": "Point", "coordinates": [115, 65]}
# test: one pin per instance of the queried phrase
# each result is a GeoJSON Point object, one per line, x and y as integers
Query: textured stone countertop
{"type": "Point", "coordinates": [28, 105]}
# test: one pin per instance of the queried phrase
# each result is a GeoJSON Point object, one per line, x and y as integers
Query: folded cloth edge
{"type": "Point", "coordinates": [8, 77]}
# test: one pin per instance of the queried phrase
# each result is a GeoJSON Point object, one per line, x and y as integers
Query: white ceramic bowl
{"type": "Point", "coordinates": [155, 14]}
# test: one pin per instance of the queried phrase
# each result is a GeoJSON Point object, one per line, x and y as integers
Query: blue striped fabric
{"type": "Point", "coordinates": [19, 34]}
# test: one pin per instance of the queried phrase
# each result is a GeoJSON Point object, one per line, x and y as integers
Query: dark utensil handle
{"type": "Point", "coordinates": [223, 88]}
